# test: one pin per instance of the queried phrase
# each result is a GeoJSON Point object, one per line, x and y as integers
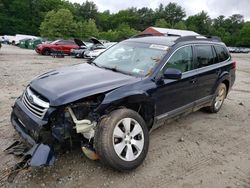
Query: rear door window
{"type": "Point", "coordinates": [205, 55]}
{"type": "Point", "coordinates": [222, 53]}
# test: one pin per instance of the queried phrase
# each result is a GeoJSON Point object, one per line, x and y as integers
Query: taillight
{"type": "Point", "coordinates": [234, 65]}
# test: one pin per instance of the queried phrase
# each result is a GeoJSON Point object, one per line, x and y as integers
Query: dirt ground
{"type": "Point", "coordinates": [214, 150]}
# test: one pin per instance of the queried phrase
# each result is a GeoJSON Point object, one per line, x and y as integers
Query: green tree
{"type": "Point", "coordinates": [15, 17]}
{"type": "Point", "coordinates": [109, 35]}
{"type": "Point", "coordinates": [200, 23]}
{"type": "Point", "coordinates": [25, 16]}
{"type": "Point", "coordinates": [31, 17]}
{"type": "Point", "coordinates": [145, 18]}
{"type": "Point", "coordinates": [58, 24]}
{"type": "Point", "coordinates": [162, 23]}
{"type": "Point", "coordinates": [180, 25]}
{"type": "Point", "coordinates": [128, 16]}
{"type": "Point", "coordinates": [87, 29]}
{"type": "Point", "coordinates": [125, 31]}
{"type": "Point", "coordinates": [219, 22]}
{"type": "Point", "coordinates": [245, 35]}
{"type": "Point", "coordinates": [87, 10]}
{"type": "Point", "coordinates": [103, 20]}
{"type": "Point", "coordinates": [174, 13]}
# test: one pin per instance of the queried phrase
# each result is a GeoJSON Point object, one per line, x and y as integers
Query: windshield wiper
{"type": "Point", "coordinates": [111, 68]}
{"type": "Point", "coordinates": [93, 63]}
{"type": "Point", "coordinates": [114, 69]}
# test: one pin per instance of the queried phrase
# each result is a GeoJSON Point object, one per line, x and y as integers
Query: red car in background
{"type": "Point", "coordinates": [59, 45]}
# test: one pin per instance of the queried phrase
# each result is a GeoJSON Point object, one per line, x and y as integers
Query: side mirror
{"type": "Point", "coordinates": [172, 73]}
{"type": "Point", "coordinates": [89, 61]}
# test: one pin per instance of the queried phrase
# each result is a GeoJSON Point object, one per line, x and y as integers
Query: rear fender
{"type": "Point", "coordinates": [224, 76]}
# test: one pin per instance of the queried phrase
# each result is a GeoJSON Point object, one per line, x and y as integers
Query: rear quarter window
{"type": "Point", "coordinates": [222, 53]}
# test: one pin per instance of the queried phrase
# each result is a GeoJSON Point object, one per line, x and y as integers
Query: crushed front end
{"type": "Point", "coordinates": [49, 129]}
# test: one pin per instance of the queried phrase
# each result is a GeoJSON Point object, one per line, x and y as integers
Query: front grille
{"type": "Point", "coordinates": [34, 104]}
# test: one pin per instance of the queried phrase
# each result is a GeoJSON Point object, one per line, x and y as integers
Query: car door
{"type": "Point", "coordinates": [58, 46]}
{"type": "Point", "coordinates": [66, 46]}
{"type": "Point", "coordinates": [207, 71]}
{"type": "Point", "coordinates": [173, 96]}
{"type": "Point", "coordinates": [70, 45]}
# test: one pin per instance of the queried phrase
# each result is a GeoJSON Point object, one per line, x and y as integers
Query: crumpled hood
{"type": "Point", "coordinates": [72, 83]}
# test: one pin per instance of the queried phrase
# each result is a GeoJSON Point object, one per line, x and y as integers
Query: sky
{"type": "Point", "coordinates": [213, 7]}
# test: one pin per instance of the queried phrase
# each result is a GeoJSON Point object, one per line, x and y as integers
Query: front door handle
{"type": "Point", "coordinates": [193, 80]}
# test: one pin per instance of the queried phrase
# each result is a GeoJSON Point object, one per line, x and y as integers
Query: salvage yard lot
{"type": "Point", "coordinates": [200, 150]}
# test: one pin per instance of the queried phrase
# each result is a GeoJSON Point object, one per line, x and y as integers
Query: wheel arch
{"type": "Point", "coordinates": [139, 102]}
{"type": "Point", "coordinates": [45, 49]}
{"type": "Point", "coordinates": [224, 78]}
{"type": "Point", "coordinates": [227, 83]}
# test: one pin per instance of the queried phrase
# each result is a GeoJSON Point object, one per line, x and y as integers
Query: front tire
{"type": "Point", "coordinates": [122, 140]}
{"type": "Point", "coordinates": [219, 97]}
{"type": "Point", "coordinates": [46, 52]}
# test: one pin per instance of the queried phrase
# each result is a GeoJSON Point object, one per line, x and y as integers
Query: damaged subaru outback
{"type": "Point", "coordinates": [107, 107]}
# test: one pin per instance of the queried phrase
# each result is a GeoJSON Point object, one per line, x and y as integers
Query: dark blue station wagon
{"type": "Point", "coordinates": [108, 106]}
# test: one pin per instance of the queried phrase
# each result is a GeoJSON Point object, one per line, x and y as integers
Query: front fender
{"type": "Point", "coordinates": [115, 99]}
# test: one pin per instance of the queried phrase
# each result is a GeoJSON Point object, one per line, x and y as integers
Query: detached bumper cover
{"type": "Point", "coordinates": [41, 155]}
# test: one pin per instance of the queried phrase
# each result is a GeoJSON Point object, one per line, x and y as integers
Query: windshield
{"type": "Point", "coordinates": [132, 58]}
{"type": "Point", "coordinates": [54, 42]}
{"type": "Point", "coordinates": [89, 44]}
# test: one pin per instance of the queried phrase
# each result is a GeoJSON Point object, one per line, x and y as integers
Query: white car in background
{"type": "Point", "coordinates": [7, 39]}
{"type": "Point", "coordinates": [98, 49]}
{"type": "Point", "coordinates": [19, 37]}
{"type": "Point", "coordinates": [14, 40]}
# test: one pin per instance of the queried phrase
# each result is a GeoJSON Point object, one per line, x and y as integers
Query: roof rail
{"type": "Point", "coordinates": [143, 35]}
{"type": "Point", "coordinates": [154, 35]}
{"type": "Point", "coordinates": [198, 37]}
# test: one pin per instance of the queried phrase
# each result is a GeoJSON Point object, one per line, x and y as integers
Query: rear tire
{"type": "Point", "coordinates": [219, 97]}
{"type": "Point", "coordinates": [121, 140]}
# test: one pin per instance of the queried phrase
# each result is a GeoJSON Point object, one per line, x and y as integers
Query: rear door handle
{"type": "Point", "coordinates": [218, 71]}
{"type": "Point", "coordinates": [193, 80]}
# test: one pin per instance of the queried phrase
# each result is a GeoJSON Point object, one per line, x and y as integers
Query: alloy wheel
{"type": "Point", "coordinates": [128, 139]}
{"type": "Point", "coordinates": [220, 98]}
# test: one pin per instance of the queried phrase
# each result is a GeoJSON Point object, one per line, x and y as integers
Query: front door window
{"type": "Point", "coordinates": [182, 59]}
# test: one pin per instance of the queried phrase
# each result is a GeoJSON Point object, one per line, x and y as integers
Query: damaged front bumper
{"type": "Point", "coordinates": [59, 128]}
{"type": "Point", "coordinates": [28, 127]}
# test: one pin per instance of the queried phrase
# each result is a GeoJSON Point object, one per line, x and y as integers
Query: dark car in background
{"type": "Point", "coordinates": [108, 107]}
{"type": "Point", "coordinates": [59, 45]}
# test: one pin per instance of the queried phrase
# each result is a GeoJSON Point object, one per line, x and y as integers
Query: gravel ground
{"type": "Point", "coordinates": [199, 150]}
